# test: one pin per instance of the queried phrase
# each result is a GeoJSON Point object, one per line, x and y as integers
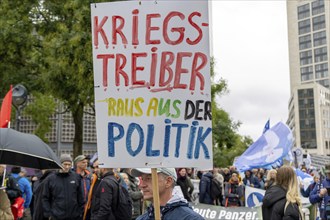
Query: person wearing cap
{"type": "Point", "coordinates": [95, 180]}
{"type": "Point", "coordinates": [172, 205]}
{"type": "Point", "coordinates": [321, 195]}
{"type": "Point", "coordinates": [62, 196]}
{"type": "Point", "coordinates": [80, 167]}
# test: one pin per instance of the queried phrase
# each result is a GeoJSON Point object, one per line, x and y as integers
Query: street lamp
{"type": "Point", "coordinates": [19, 98]}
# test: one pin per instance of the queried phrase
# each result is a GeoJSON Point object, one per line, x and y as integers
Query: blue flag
{"type": "Point", "coordinates": [267, 125]}
{"type": "Point", "coordinates": [304, 178]}
{"type": "Point", "coordinates": [273, 145]}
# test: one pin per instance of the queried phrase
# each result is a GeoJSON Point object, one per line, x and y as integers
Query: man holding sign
{"type": "Point", "coordinates": [172, 206]}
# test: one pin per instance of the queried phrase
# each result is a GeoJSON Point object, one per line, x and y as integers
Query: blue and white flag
{"type": "Point", "coordinates": [304, 178]}
{"type": "Point", "coordinates": [253, 196]}
{"type": "Point", "coordinates": [267, 125]}
{"type": "Point", "coordinates": [274, 144]}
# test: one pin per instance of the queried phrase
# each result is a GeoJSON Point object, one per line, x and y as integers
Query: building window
{"type": "Point", "coordinates": [305, 42]}
{"type": "Point", "coordinates": [317, 7]}
{"type": "Point", "coordinates": [324, 82]}
{"type": "Point", "coordinates": [303, 11]}
{"type": "Point", "coordinates": [320, 54]}
{"type": "Point", "coordinates": [319, 22]}
{"type": "Point", "coordinates": [319, 38]}
{"type": "Point", "coordinates": [304, 26]}
{"type": "Point", "coordinates": [321, 70]}
{"type": "Point", "coordinates": [306, 57]}
{"type": "Point", "coordinates": [306, 73]}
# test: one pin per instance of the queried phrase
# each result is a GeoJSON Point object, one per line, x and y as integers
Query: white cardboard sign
{"type": "Point", "coordinates": [152, 83]}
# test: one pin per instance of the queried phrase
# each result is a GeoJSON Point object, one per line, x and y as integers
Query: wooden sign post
{"type": "Point", "coordinates": [155, 193]}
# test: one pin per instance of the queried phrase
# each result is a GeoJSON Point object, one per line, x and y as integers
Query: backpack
{"type": "Point", "coordinates": [216, 189]}
{"type": "Point", "coordinates": [13, 190]}
{"type": "Point", "coordinates": [124, 204]}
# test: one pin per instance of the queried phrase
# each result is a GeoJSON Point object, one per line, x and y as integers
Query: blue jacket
{"type": "Point", "coordinates": [253, 180]}
{"type": "Point", "coordinates": [176, 208]}
{"type": "Point", "coordinates": [26, 189]}
{"type": "Point", "coordinates": [315, 198]}
{"type": "Point", "coordinates": [205, 189]}
{"type": "Point", "coordinates": [305, 193]}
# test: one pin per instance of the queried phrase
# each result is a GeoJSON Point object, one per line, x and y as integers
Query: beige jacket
{"type": "Point", "coordinates": [5, 210]}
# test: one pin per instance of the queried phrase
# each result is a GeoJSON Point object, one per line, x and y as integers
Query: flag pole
{"type": "Point", "coordinates": [155, 193]}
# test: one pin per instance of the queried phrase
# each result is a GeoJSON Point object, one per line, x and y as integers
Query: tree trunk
{"type": "Point", "coordinates": [78, 115]}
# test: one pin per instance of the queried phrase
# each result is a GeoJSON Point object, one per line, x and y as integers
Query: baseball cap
{"type": "Point", "coordinates": [136, 172]}
{"type": "Point", "coordinates": [79, 158]}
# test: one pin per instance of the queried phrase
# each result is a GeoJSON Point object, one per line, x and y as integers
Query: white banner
{"type": "Point", "coordinates": [152, 83]}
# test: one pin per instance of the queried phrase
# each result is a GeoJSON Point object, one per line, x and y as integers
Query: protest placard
{"type": "Point", "coordinates": [152, 83]}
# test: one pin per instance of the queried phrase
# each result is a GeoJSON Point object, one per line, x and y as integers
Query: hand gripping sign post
{"type": "Point", "coordinates": [152, 84]}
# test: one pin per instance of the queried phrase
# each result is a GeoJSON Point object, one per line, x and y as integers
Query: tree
{"type": "Point", "coordinates": [64, 33]}
{"type": "Point", "coordinates": [16, 45]}
{"type": "Point", "coordinates": [46, 45]}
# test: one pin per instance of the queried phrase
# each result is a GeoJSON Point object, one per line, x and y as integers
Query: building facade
{"type": "Point", "coordinates": [309, 54]}
{"type": "Point", "coordinates": [62, 132]}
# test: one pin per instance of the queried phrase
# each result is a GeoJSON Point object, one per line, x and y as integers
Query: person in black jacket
{"type": "Point", "coordinates": [38, 213]}
{"type": "Point", "coordinates": [62, 197]}
{"type": "Point", "coordinates": [185, 184]}
{"type": "Point", "coordinates": [282, 201]}
{"type": "Point", "coordinates": [105, 194]}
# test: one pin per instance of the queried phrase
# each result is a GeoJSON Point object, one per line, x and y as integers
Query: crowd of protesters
{"type": "Point", "coordinates": [83, 190]}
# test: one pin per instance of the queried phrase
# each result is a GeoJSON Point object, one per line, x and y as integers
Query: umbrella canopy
{"type": "Point", "coordinates": [26, 150]}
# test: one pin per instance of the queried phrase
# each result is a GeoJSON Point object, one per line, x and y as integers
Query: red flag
{"type": "Point", "coordinates": [6, 109]}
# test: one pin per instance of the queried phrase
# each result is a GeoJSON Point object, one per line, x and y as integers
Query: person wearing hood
{"type": "Point", "coordinates": [205, 189]}
{"type": "Point", "coordinates": [172, 205]}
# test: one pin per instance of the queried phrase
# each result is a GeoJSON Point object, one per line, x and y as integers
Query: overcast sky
{"type": "Point", "coordinates": [250, 46]}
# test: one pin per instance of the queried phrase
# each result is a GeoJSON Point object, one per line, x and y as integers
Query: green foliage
{"type": "Point", "coordinates": [16, 44]}
{"type": "Point", "coordinates": [46, 45]}
{"type": "Point", "coordinates": [41, 109]}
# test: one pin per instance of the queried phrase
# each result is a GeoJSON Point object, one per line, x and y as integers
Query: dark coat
{"type": "Point", "coordinates": [205, 189]}
{"type": "Point", "coordinates": [233, 194]}
{"type": "Point", "coordinates": [62, 196]}
{"type": "Point", "coordinates": [136, 195]}
{"type": "Point", "coordinates": [253, 180]}
{"type": "Point", "coordinates": [273, 195]}
{"type": "Point", "coordinates": [106, 194]}
{"type": "Point", "coordinates": [186, 187]}
{"type": "Point", "coordinates": [291, 211]}
{"type": "Point", "coordinates": [38, 188]}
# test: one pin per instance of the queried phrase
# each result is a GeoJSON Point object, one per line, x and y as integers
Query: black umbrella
{"type": "Point", "coordinates": [26, 150]}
